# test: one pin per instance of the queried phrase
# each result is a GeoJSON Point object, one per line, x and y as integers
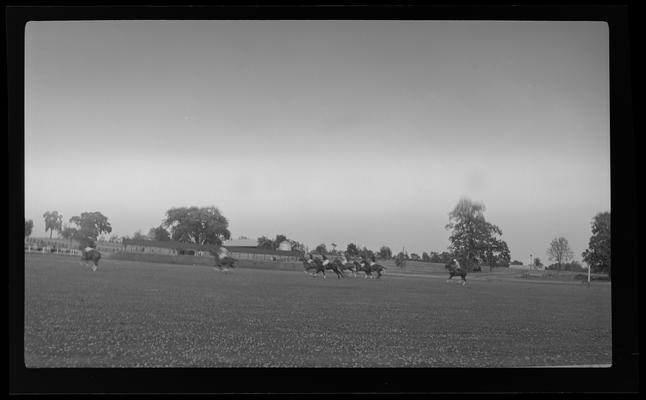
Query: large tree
{"type": "Point", "coordinates": [159, 233]}
{"type": "Point", "coordinates": [321, 248]}
{"type": "Point", "coordinates": [385, 253]}
{"type": "Point", "coordinates": [472, 237]}
{"type": "Point", "coordinates": [352, 250]}
{"type": "Point", "coordinates": [29, 226]}
{"type": "Point", "coordinates": [278, 240]}
{"type": "Point", "coordinates": [265, 243]}
{"type": "Point", "coordinates": [89, 225]}
{"type": "Point", "coordinates": [559, 251]}
{"type": "Point", "coordinates": [597, 255]}
{"type": "Point", "coordinates": [53, 222]}
{"type": "Point", "coordinates": [200, 225]}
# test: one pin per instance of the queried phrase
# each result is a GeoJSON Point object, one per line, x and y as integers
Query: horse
{"type": "Point", "coordinates": [327, 266]}
{"type": "Point", "coordinates": [309, 265]}
{"type": "Point", "coordinates": [456, 272]}
{"type": "Point", "coordinates": [374, 267]}
{"type": "Point", "coordinates": [363, 266]}
{"type": "Point", "coordinates": [346, 265]}
{"type": "Point", "coordinates": [90, 255]}
{"type": "Point", "coordinates": [224, 263]}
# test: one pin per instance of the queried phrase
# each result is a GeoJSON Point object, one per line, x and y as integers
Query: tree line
{"type": "Point", "coordinates": [473, 239]}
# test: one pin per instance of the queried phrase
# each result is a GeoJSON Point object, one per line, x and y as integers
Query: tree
{"type": "Point", "coordinates": [352, 250]}
{"type": "Point", "coordinates": [472, 237]}
{"type": "Point", "coordinates": [516, 262]}
{"type": "Point", "coordinates": [53, 222]}
{"type": "Point", "coordinates": [114, 239]}
{"type": "Point", "coordinates": [367, 253]}
{"type": "Point", "coordinates": [89, 225]}
{"type": "Point", "coordinates": [159, 233]}
{"type": "Point", "coordinates": [425, 256]}
{"type": "Point", "coordinates": [297, 246]}
{"type": "Point", "coordinates": [537, 262]}
{"type": "Point", "coordinates": [333, 248]}
{"type": "Point", "coordinates": [29, 226]}
{"type": "Point", "coordinates": [385, 253]}
{"type": "Point", "coordinates": [321, 248]}
{"type": "Point", "coordinates": [279, 239]}
{"type": "Point", "coordinates": [139, 236]}
{"type": "Point", "coordinates": [203, 225]}
{"type": "Point", "coordinates": [400, 260]}
{"type": "Point", "coordinates": [414, 256]}
{"type": "Point", "coordinates": [597, 255]}
{"type": "Point", "coordinates": [559, 251]}
{"type": "Point", "coordinates": [265, 243]}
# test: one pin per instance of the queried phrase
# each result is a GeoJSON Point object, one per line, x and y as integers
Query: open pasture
{"type": "Point", "coordinates": [130, 314]}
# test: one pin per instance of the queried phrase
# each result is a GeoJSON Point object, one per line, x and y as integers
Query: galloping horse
{"type": "Point", "coordinates": [325, 264]}
{"type": "Point", "coordinates": [309, 265]}
{"type": "Point", "coordinates": [453, 271]}
{"type": "Point", "coordinates": [374, 267]}
{"type": "Point", "coordinates": [344, 264]}
{"type": "Point", "coordinates": [223, 262]}
{"type": "Point", "coordinates": [90, 255]}
{"type": "Point", "coordinates": [363, 266]}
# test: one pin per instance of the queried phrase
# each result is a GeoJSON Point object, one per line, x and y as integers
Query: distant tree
{"type": "Point", "coordinates": [159, 233]}
{"type": "Point", "coordinates": [265, 243]}
{"type": "Point", "coordinates": [559, 251]}
{"type": "Point", "coordinates": [537, 262]}
{"type": "Point", "coordinates": [496, 251]}
{"type": "Point", "coordinates": [139, 236]}
{"type": "Point", "coordinates": [89, 225]}
{"type": "Point", "coordinates": [321, 249]}
{"type": "Point", "coordinates": [114, 239]}
{"type": "Point", "coordinates": [385, 253]}
{"type": "Point", "coordinates": [278, 240]}
{"type": "Point", "coordinates": [333, 248]}
{"type": "Point", "coordinates": [414, 256]}
{"type": "Point", "coordinates": [29, 226]}
{"type": "Point", "coordinates": [516, 262]}
{"type": "Point", "coordinates": [367, 253]}
{"type": "Point", "coordinates": [597, 255]}
{"type": "Point", "coordinates": [53, 222]}
{"type": "Point", "coordinates": [203, 225]}
{"type": "Point", "coordinates": [352, 250]}
{"type": "Point", "coordinates": [400, 260]}
{"type": "Point", "coordinates": [472, 237]}
{"type": "Point", "coordinates": [425, 257]}
{"type": "Point", "coordinates": [297, 246]}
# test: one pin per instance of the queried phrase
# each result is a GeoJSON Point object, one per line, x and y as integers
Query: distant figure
{"type": "Point", "coordinates": [457, 265]}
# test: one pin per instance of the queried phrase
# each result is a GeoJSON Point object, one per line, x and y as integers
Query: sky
{"type": "Point", "coordinates": [326, 131]}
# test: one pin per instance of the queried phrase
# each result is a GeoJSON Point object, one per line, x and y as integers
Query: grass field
{"type": "Point", "coordinates": [130, 314]}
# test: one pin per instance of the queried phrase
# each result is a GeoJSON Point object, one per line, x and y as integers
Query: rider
{"type": "Point", "coordinates": [457, 265]}
{"type": "Point", "coordinates": [223, 252]}
{"type": "Point", "coordinates": [325, 260]}
{"type": "Point", "coordinates": [373, 260]}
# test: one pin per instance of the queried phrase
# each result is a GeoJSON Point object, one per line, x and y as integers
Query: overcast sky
{"type": "Point", "coordinates": [326, 131]}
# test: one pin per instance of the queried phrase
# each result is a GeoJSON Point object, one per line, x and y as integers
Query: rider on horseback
{"type": "Point", "coordinates": [457, 265]}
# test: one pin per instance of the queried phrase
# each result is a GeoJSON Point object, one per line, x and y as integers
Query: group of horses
{"type": "Point", "coordinates": [314, 266]}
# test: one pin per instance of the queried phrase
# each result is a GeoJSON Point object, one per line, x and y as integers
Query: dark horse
{"type": "Point", "coordinates": [224, 263]}
{"type": "Point", "coordinates": [309, 265]}
{"type": "Point", "coordinates": [319, 266]}
{"type": "Point", "coordinates": [325, 264]}
{"type": "Point", "coordinates": [374, 267]}
{"type": "Point", "coordinates": [345, 265]}
{"type": "Point", "coordinates": [453, 271]}
{"type": "Point", "coordinates": [90, 255]}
